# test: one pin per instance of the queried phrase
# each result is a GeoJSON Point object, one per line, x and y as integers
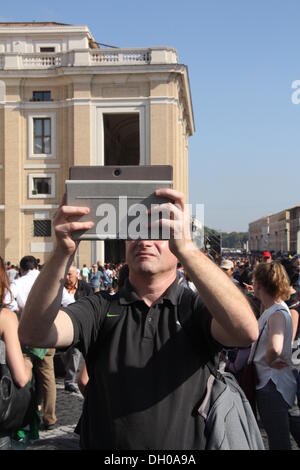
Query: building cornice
{"type": "Point", "coordinates": [69, 102]}
{"type": "Point", "coordinates": [42, 30]}
{"type": "Point", "coordinates": [42, 166]}
{"type": "Point", "coordinates": [68, 72]}
{"type": "Point", "coordinates": [31, 207]}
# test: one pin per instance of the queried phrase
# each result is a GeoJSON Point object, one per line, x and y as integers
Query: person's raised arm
{"type": "Point", "coordinates": [234, 323]}
{"type": "Point", "coordinates": [20, 367]}
{"type": "Point", "coordinates": [42, 322]}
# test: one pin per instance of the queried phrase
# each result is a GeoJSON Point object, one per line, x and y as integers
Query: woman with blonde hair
{"type": "Point", "coordinates": [276, 388]}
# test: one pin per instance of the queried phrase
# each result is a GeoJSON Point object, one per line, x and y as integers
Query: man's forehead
{"type": "Point", "coordinates": [72, 270]}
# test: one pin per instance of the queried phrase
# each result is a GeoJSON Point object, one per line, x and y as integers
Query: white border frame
{"type": "Point", "coordinates": [41, 115]}
{"type": "Point", "coordinates": [41, 175]}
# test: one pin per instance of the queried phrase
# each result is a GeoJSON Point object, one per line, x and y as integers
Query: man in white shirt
{"type": "Point", "coordinates": [12, 273]}
{"type": "Point", "coordinates": [21, 287]}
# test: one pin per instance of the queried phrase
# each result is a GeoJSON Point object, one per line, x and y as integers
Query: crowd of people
{"type": "Point", "coordinates": [25, 362]}
{"type": "Point", "coordinates": [273, 288]}
{"type": "Point", "coordinates": [47, 316]}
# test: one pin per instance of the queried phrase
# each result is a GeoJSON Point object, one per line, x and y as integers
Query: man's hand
{"type": "Point", "coordinates": [177, 220]}
{"type": "Point", "coordinates": [65, 222]}
{"type": "Point", "coordinates": [248, 287]}
{"type": "Point", "coordinates": [233, 323]}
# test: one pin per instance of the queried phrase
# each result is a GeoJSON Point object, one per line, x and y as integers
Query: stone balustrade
{"type": "Point", "coordinates": [88, 57]}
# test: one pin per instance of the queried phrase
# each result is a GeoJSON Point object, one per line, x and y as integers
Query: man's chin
{"type": "Point", "coordinates": [145, 266]}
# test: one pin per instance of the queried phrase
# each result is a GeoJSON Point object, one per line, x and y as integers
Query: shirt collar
{"type": "Point", "coordinates": [129, 296]}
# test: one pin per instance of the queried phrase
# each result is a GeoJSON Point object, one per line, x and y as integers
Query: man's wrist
{"type": "Point", "coordinates": [61, 259]}
{"type": "Point", "coordinates": [61, 254]}
{"type": "Point", "coordinates": [187, 250]}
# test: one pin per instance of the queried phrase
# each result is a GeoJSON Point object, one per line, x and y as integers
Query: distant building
{"type": "Point", "coordinates": [64, 101]}
{"type": "Point", "coordinates": [279, 232]}
{"type": "Point", "coordinates": [295, 229]}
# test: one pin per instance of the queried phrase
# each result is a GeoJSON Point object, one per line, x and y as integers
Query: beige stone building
{"type": "Point", "coordinates": [64, 101]}
{"type": "Point", "coordinates": [259, 234]}
{"type": "Point", "coordinates": [295, 229]}
{"type": "Point", "coordinates": [279, 232]}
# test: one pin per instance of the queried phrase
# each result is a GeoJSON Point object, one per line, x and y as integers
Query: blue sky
{"type": "Point", "coordinates": [242, 56]}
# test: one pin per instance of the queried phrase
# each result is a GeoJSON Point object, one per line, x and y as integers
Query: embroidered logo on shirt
{"type": "Point", "coordinates": [109, 315]}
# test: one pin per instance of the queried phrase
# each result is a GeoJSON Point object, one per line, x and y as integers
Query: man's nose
{"type": "Point", "coordinates": [144, 243]}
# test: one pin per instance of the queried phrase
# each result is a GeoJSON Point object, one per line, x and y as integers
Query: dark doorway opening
{"type": "Point", "coordinates": [114, 251]}
{"type": "Point", "coordinates": [121, 139]}
{"type": "Point", "coordinates": [121, 147]}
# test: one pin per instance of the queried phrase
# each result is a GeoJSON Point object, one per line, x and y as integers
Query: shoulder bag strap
{"type": "Point", "coordinates": [251, 356]}
{"type": "Point", "coordinates": [184, 309]}
{"type": "Point", "coordinates": [2, 352]}
{"type": "Point", "coordinates": [2, 346]}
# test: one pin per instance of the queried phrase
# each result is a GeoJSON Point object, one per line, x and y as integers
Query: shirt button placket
{"type": "Point", "coordinates": [149, 327]}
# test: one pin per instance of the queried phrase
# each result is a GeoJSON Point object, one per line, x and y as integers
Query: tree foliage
{"type": "Point", "coordinates": [229, 240]}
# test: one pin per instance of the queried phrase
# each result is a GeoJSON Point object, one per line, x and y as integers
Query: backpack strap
{"type": "Point", "coordinates": [184, 311]}
{"type": "Point", "coordinates": [2, 352]}
{"type": "Point", "coordinates": [2, 346]}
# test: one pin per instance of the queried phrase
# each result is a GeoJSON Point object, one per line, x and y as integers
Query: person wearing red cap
{"type": "Point", "coordinates": [266, 257]}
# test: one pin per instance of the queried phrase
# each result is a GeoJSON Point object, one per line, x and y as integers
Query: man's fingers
{"type": "Point", "coordinates": [71, 227]}
{"type": "Point", "coordinates": [66, 213]}
{"type": "Point", "coordinates": [73, 210]}
{"type": "Point", "coordinates": [175, 196]}
{"type": "Point", "coordinates": [170, 193]}
{"type": "Point", "coordinates": [167, 210]}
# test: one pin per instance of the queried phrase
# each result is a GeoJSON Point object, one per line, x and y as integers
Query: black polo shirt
{"type": "Point", "coordinates": [147, 378]}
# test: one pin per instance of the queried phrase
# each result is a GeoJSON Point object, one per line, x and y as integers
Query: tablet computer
{"type": "Point", "coordinates": [119, 198]}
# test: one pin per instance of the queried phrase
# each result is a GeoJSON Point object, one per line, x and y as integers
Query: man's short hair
{"type": "Point", "coordinates": [28, 262]}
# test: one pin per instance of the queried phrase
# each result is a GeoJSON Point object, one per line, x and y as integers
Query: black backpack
{"type": "Point", "coordinates": [229, 420]}
{"type": "Point", "coordinates": [17, 404]}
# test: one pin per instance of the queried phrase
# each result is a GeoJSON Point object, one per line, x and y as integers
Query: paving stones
{"type": "Point", "coordinates": [68, 410]}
